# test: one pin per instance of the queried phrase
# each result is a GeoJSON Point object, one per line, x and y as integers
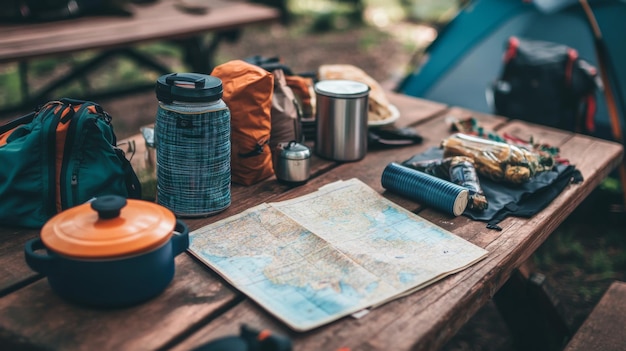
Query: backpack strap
{"type": "Point", "coordinates": [572, 56]}
{"type": "Point", "coordinates": [269, 64]}
{"type": "Point", "coordinates": [511, 50]}
{"type": "Point", "coordinates": [133, 185]}
{"type": "Point", "coordinates": [17, 122]}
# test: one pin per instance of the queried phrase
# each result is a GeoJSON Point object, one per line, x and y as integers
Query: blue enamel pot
{"type": "Point", "coordinates": [112, 252]}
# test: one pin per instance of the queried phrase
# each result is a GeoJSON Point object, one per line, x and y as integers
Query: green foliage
{"type": "Point", "coordinates": [162, 50]}
{"type": "Point", "coordinates": [589, 292]}
{"type": "Point", "coordinates": [562, 245]}
{"type": "Point", "coordinates": [611, 184]}
{"type": "Point", "coordinates": [45, 66]}
{"type": "Point", "coordinates": [324, 22]}
{"type": "Point", "coordinates": [588, 251]}
{"type": "Point", "coordinates": [41, 71]}
{"type": "Point", "coordinates": [372, 39]}
{"type": "Point", "coordinates": [330, 15]}
{"type": "Point", "coordinates": [431, 11]}
{"type": "Point", "coordinates": [600, 262]}
{"type": "Point", "coordinates": [10, 83]}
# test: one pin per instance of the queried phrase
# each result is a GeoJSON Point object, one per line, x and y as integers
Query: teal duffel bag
{"type": "Point", "coordinates": [57, 157]}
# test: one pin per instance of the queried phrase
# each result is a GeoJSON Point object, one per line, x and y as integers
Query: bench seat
{"type": "Point", "coordinates": [605, 328]}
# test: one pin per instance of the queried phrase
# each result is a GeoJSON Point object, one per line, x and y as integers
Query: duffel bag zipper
{"type": "Point", "coordinates": [69, 195]}
{"type": "Point", "coordinates": [50, 135]}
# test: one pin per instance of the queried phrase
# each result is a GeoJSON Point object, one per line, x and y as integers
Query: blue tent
{"type": "Point", "coordinates": [466, 57]}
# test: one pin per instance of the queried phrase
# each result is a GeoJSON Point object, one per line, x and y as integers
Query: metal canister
{"type": "Point", "coordinates": [294, 163]}
{"type": "Point", "coordinates": [341, 119]}
{"type": "Point", "coordinates": [192, 137]}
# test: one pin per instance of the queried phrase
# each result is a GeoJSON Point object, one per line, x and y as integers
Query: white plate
{"type": "Point", "coordinates": [395, 114]}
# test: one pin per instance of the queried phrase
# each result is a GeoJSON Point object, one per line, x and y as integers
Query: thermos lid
{"type": "Point", "coordinates": [295, 151]}
{"type": "Point", "coordinates": [109, 226]}
{"type": "Point", "coordinates": [188, 87]}
{"type": "Point", "coordinates": [342, 88]}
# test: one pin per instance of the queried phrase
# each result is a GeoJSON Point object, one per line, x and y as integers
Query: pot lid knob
{"type": "Point", "coordinates": [108, 206]}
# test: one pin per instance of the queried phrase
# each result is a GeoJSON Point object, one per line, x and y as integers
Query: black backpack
{"type": "Point", "coordinates": [546, 83]}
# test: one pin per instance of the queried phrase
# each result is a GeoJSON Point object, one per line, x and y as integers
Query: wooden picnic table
{"type": "Point", "coordinates": [118, 36]}
{"type": "Point", "coordinates": [199, 306]}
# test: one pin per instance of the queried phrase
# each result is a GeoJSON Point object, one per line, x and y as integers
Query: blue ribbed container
{"type": "Point", "coordinates": [192, 137]}
{"type": "Point", "coordinates": [425, 189]}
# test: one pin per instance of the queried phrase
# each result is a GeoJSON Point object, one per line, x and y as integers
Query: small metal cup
{"type": "Point", "coordinates": [293, 164]}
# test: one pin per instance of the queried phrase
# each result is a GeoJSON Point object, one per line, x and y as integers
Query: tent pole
{"type": "Point", "coordinates": [603, 61]}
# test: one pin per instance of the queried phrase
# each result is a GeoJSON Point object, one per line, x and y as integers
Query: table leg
{"type": "Point", "coordinates": [30, 100]}
{"type": "Point", "coordinates": [532, 313]}
{"type": "Point", "coordinates": [200, 55]}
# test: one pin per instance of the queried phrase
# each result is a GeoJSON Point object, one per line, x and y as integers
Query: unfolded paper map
{"type": "Point", "coordinates": [328, 254]}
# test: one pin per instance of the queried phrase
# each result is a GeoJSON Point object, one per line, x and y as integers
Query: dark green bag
{"type": "Point", "coordinates": [57, 157]}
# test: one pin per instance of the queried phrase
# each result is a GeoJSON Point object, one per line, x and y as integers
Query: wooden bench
{"type": "Point", "coordinates": [535, 316]}
{"type": "Point", "coordinates": [605, 328]}
{"type": "Point", "coordinates": [115, 36]}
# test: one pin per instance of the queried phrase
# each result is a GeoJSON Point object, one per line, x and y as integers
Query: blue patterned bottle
{"type": "Point", "coordinates": [192, 137]}
{"type": "Point", "coordinates": [426, 189]}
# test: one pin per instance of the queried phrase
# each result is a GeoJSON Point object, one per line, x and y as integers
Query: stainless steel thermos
{"type": "Point", "coordinates": [341, 119]}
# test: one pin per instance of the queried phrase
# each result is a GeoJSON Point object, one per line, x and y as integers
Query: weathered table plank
{"type": "Point", "coordinates": [36, 313]}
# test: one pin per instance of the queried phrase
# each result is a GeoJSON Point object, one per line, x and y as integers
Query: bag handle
{"type": "Point", "coordinates": [133, 185]}
{"type": "Point", "coordinates": [17, 122]}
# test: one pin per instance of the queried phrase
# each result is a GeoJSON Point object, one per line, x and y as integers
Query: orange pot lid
{"type": "Point", "coordinates": [109, 226]}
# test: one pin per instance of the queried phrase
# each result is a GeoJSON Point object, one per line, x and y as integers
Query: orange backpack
{"type": "Point", "coordinates": [248, 91]}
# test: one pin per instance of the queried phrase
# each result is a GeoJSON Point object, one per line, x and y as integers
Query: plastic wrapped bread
{"type": "Point", "coordinates": [496, 160]}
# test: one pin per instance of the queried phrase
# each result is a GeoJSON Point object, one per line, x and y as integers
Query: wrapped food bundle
{"type": "Point", "coordinates": [497, 160]}
{"type": "Point", "coordinates": [459, 170]}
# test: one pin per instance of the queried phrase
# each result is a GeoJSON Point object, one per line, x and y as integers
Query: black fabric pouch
{"type": "Point", "coordinates": [392, 137]}
{"type": "Point", "coordinates": [520, 200]}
